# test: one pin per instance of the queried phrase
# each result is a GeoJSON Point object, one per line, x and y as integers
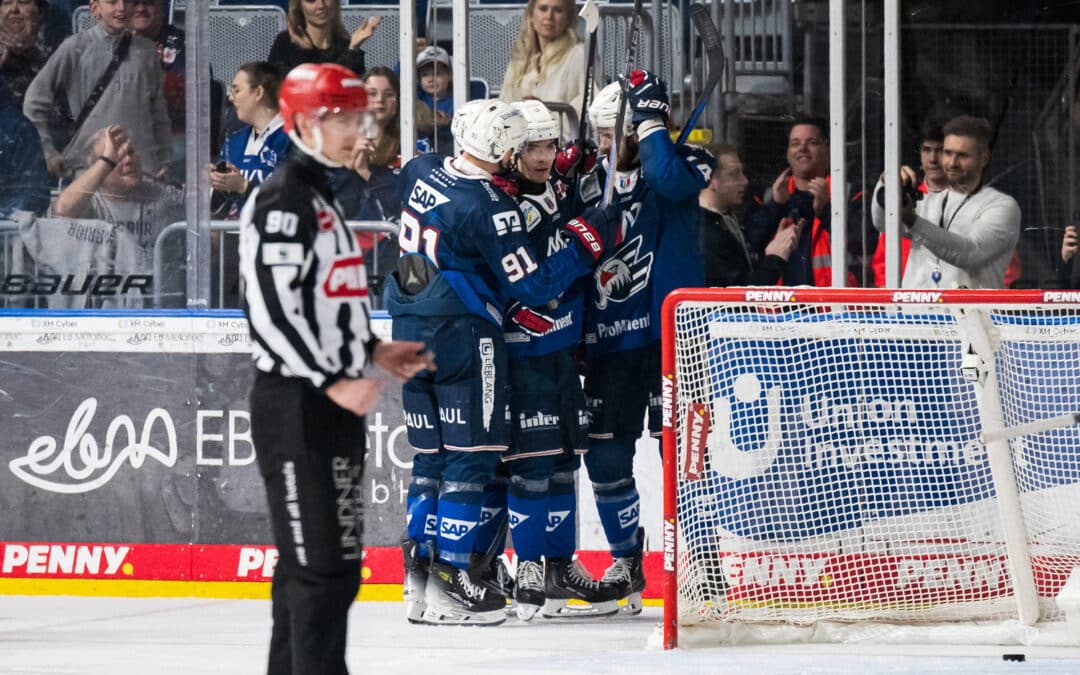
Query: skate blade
{"type": "Point", "coordinates": [526, 612]}
{"type": "Point", "coordinates": [576, 609]}
{"type": "Point", "coordinates": [631, 605]}
{"type": "Point", "coordinates": [414, 611]}
{"type": "Point", "coordinates": [451, 616]}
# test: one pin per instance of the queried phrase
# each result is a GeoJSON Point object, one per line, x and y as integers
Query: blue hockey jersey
{"type": "Point", "coordinates": [474, 233]}
{"type": "Point", "coordinates": [545, 213]}
{"type": "Point", "coordinates": [659, 250]}
{"type": "Point", "coordinates": [256, 156]}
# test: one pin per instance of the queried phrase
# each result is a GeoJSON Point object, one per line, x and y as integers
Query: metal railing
{"type": "Point", "coordinates": [232, 227]}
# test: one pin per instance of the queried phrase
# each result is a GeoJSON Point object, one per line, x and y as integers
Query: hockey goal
{"type": "Point", "coordinates": [864, 464]}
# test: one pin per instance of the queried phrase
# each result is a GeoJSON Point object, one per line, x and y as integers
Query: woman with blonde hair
{"type": "Point", "coordinates": [548, 61]}
{"type": "Point", "coordinates": [317, 35]}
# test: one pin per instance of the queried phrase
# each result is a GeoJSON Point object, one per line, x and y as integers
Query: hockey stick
{"type": "Point", "coordinates": [591, 14]}
{"type": "Point", "coordinates": [620, 116]}
{"type": "Point", "coordinates": [714, 54]}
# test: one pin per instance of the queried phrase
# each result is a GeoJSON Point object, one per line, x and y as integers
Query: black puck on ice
{"type": "Point", "coordinates": [1019, 658]}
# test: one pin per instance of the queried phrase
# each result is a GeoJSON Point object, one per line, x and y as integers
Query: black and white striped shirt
{"type": "Point", "coordinates": [304, 283]}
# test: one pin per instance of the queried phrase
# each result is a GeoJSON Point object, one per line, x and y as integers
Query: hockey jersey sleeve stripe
{"type": "Point", "coordinates": [276, 318]}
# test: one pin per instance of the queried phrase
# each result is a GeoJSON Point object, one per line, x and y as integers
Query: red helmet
{"type": "Point", "coordinates": [320, 88]}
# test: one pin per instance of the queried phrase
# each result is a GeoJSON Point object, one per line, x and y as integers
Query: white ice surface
{"type": "Point", "coordinates": [121, 636]}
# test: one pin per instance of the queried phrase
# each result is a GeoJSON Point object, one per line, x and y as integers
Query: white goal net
{"type": "Point", "coordinates": [844, 457]}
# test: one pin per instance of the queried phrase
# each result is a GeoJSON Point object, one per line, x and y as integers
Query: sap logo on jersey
{"type": "Point", "coordinates": [424, 197]}
{"type": "Point", "coordinates": [728, 459]}
{"type": "Point", "coordinates": [346, 279]}
{"type": "Point", "coordinates": [628, 517]}
{"type": "Point", "coordinates": [555, 519]}
{"type": "Point", "coordinates": [454, 529]}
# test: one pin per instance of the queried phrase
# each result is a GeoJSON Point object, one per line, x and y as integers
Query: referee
{"type": "Point", "coordinates": [306, 301]}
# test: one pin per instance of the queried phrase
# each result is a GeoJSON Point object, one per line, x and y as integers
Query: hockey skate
{"type": "Point", "coordinates": [459, 597]}
{"type": "Point", "coordinates": [416, 578]}
{"type": "Point", "coordinates": [572, 592]}
{"type": "Point", "coordinates": [626, 579]}
{"type": "Point", "coordinates": [529, 589]}
{"type": "Point", "coordinates": [498, 574]}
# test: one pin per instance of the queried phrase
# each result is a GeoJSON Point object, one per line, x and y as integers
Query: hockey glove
{"type": "Point", "coordinates": [507, 185]}
{"type": "Point", "coordinates": [576, 156]}
{"type": "Point", "coordinates": [587, 236]}
{"type": "Point", "coordinates": [647, 96]}
{"type": "Point", "coordinates": [595, 230]}
{"type": "Point", "coordinates": [529, 320]}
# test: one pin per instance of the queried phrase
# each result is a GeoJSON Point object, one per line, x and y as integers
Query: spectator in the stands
{"type": "Point", "coordinates": [548, 61]}
{"type": "Point", "coordinates": [24, 181]}
{"type": "Point", "coordinates": [148, 20]}
{"type": "Point", "coordinates": [434, 91]}
{"type": "Point", "coordinates": [317, 35]}
{"type": "Point", "coordinates": [252, 152]}
{"type": "Point", "coordinates": [803, 191]}
{"type": "Point", "coordinates": [114, 188]}
{"type": "Point", "coordinates": [384, 92]}
{"type": "Point", "coordinates": [132, 98]}
{"type": "Point", "coordinates": [728, 259]}
{"type": "Point", "coordinates": [964, 236]}
{"type": "Point", "coordinates": [25, 43]}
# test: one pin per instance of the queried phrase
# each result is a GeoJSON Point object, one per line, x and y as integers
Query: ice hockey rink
{"type": "Point", "coordinates": [125, 636]}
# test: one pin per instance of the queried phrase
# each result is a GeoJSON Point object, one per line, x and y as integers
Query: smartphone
{"type": "Point", "coordinates": [221, 167]}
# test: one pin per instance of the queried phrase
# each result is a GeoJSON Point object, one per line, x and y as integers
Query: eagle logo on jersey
{"type": "Point", "coordinates": [624, 274]}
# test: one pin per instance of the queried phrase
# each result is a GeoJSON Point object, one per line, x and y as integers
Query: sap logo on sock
{"type": "Point", "coordinates": [730, 460]}
{"type": "Point", "coordinates": [555, 519]}
{"type": "Point", "coordinates": [487, 514]}
{"type": "Point", "coordinates": [431, 525]}
{"type": "Point", "coordinates": [516, 518]}
{"type": "Point", "coordinates": [454, 529]}
{"type": "Point", "coordinates": [628, 517]}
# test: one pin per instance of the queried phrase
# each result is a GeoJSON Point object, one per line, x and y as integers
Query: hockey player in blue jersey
{"type": "Point", "coordinates": [657, 189]}
{"type": "Point", "coordinates": [548, 429]}
{"type": "Point", "coordinates": [465, 255]}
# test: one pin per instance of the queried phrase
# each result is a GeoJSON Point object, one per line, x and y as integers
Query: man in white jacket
{"type": "Point", "coordinates": [962, 237]}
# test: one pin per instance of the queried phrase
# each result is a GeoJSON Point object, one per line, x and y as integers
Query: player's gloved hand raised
{"type": "Point", "coordinates": [506, 184]}
{"type": "Point", "coordinates": [593, 231]}
{"type": "Point", "coordinates": [576, 156]}
{"type": "Point", "coordinates": [531, 321]}
{"type": "Point", "coordinates": [647, 97]}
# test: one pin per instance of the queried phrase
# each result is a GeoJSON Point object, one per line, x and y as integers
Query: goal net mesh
{"type": "Point", "coordinates": [830, 463]}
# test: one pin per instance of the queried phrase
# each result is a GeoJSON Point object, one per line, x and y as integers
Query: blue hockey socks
{"type": "Point", "coordinates": [562, 516]}
{"type": "Point", "coordinates": [528, 516]}
{"type": "Point", "coordinates": [492, 518]}
{"type": "Point", "coordinates": [421, 505]}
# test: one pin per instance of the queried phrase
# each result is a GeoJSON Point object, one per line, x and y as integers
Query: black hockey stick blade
{"type": "Point", "coordinates": [714, 55]}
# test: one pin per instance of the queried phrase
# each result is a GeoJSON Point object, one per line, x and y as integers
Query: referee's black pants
{"type": "Point", "coordinates": [310, 454]}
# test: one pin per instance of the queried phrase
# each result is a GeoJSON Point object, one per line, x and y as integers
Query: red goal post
{"type": "Point", "coordinates": [840, 456]}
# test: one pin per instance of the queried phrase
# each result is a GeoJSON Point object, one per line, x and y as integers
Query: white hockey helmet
{"type": "Point", "coordinates": [604, 110]}
{"type": "Point", "coordinates": [542, 125]}
{"type": "Point", "coordinates": [487, 129]}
